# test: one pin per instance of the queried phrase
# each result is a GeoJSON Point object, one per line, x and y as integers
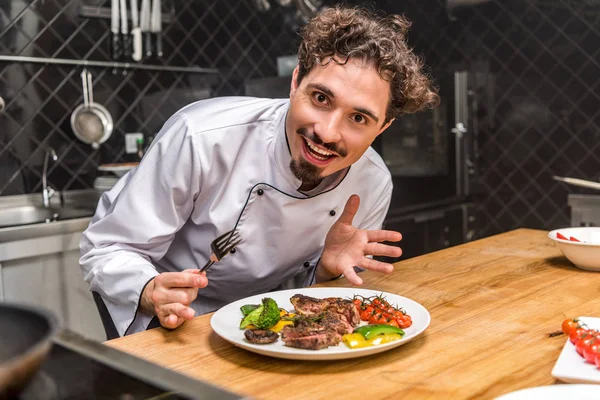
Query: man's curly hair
{"type": "Point", "coordinates": [341, 32]}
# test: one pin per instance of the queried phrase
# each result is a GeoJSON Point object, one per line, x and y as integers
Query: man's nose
{"type": "Point", "coordinates": [330, 128]}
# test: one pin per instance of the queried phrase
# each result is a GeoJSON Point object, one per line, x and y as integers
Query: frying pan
{"type": "Point", "coordinates": [91, 122]}
{"type": "Point", "coordinates": [25, 339]}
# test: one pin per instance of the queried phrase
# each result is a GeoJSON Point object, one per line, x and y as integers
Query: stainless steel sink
{"type": "Point", "coordinates": [27, 215]}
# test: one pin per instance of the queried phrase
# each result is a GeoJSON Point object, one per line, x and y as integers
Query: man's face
{"type": "Point", "coordinates": [335, 114]}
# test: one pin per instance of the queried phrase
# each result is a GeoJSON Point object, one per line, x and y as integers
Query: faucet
{"type": "Point", "coordinates": [47, 191]}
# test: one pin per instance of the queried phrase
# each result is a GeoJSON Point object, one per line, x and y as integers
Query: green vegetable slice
{"type": "Point", "coordinates": [248, 308]}
{"type": "Point", "coordinates": [264, 317]}
{"type": "Point", "coordinates": [369, 331]}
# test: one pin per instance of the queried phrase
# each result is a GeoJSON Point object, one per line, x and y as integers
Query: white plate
{"type": "Point", "coordinates": [225, 322]}
{"type": "Point", "coordinates": [571, 367]}
{"type": "Point", "coordinates": [555, 392]}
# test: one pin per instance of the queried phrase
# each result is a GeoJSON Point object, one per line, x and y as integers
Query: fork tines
{"type": "Point", "coordinates": [229, 239]}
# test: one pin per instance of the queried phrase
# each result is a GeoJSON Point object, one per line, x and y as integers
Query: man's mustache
{"type": "Point", "coordinates": [317, 140]}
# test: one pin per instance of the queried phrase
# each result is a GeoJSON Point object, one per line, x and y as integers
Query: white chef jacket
{"type": "Point", "coordinates": [216, 165]}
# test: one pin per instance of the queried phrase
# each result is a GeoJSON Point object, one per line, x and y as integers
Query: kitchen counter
{"type": "Point", "coordinates": [39, 258]}
{"type": "Point", "coordinates": [493, 303]}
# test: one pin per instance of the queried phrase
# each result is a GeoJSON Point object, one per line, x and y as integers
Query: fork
{"type": "Point", "coordinates": [222, 246]}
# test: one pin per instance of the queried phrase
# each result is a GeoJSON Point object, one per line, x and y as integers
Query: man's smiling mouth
{"type": "Point", "coordinates": [316, 152]}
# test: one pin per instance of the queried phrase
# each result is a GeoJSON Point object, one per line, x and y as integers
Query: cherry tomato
{"type": "Point", "coordinates": [364, 315]}
{"type": "Point", "coordinates": [584, 343]}
{"type": "Point", "coordinates": [590, 352]}
{"type": "Point", "coordinates": [404, 321]}
{"type": "Point", "coordinates": [392, 322]}
{"type": "Point", "coordinates": [576, 334]}
{"type": "Point", "coordinates": [570, 324]}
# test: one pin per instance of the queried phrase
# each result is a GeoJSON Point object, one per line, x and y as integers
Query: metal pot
{"type": "Point", "coordinates": [91, 122]}
{"type": "Point", "coordinates": [25, 339]}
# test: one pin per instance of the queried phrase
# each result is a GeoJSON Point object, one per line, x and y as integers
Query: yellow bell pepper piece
{"type": "Point", "coordinates": [279, 326]}
{"type": "Point", "coordinates": [357, 341]}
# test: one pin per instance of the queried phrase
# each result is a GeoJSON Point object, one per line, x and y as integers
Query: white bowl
{"type": "Point", "coordinates": [119, 169]}
{"type": "Point", "coordinates": [584, 254]}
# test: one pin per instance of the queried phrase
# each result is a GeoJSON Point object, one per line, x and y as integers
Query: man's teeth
{"type": "Point", "coordinates": [317, 150]}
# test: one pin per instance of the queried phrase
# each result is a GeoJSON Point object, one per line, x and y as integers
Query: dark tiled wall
{"type": "Point", "coordinates": [534, 64]}
{"type": "Point", "coordinates": [535, 71]}
{"type": "Point", "coordinates": [230, 35]}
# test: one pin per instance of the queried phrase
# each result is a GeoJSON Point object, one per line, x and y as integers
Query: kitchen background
{"type": "Point", "coordinates": [531, 79]}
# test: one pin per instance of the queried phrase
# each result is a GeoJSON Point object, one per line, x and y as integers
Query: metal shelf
{"type": "Point", "coordinates": [104, 13]}
{"type": "Point", "coordinates": [107, 64]}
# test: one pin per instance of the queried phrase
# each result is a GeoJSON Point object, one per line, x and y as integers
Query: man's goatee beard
{"type": "Point", "coordinates": [308, 173]}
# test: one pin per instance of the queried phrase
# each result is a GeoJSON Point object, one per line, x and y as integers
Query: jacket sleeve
{"type": "Point", "coordinates": [136, 222]}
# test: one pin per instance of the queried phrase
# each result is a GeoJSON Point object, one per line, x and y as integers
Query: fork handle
{"type": "Point", "coordinates": [207, 265]}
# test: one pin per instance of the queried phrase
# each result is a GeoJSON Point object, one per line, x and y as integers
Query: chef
{"type": "Point", "coordinates": [295, 178]}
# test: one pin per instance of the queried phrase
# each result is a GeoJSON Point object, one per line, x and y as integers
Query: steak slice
{"type": "Point", "coordinates": [308, 306]}
{"type": "Point", "coordinates": [309, 336]}
{"type": "Point", "coordinates": [344, 307]}
{"type": "Point", "coordinates": [312, 307]}
{"type": "Point", "coordinates": [336, 323]}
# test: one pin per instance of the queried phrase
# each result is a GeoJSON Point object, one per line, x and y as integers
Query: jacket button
{"type": "Point", "coordinates": [306, 264]}
{"type": "Point", "coordinates": [260, 192]}
{"type": "Point", "coordinates": [332, 213]}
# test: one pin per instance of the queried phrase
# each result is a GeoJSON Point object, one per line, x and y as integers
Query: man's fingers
{"type": "Point", "coordinates": [384, 236]}
{"type": "Point", "coordinates": [182, 279]}
{"type": "Point", "coordinates": [175, 295]}
{"type": "Point", "coordinates": [350, 210]}
{"type": "Point", "coordinates": [379, 249]}
{"type": "Point", "coordinates": [171, 321]}
{"type": "Point", "coordinates": [174, 314]}
{"type": "Point", "coordinates": [352, 276]}
{"type": "Point", "coordinates": [377, 266]}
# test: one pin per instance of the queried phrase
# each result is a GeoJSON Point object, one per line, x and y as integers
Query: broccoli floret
{"type": "Point", "coordinates": [264, 317]}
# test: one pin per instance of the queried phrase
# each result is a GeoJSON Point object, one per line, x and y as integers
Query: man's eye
{"type": "Point", "coordinates": [320, 97]}
{"type": "Point", "coordinates": [360, 119]}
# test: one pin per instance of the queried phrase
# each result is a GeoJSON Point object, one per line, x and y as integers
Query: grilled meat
{"type": "Point", "coordinates": [261, 336]}
{"type": "Point", "coordinates": [321, 322]}
{"type": "Point", "coordinates": [308, 306]}
{"type": "Point", "coordinates": [336, 323]}
{"type": "Point", "coordinates": [312, 307]}
{"type": "Point", "coordinates": [309, 335]}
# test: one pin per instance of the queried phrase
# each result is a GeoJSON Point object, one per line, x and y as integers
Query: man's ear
{"type": "Point", "coordinates": [294, 83]}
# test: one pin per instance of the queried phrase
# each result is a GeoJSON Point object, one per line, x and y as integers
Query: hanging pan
{"type": "Point", "coordinates": [91, 122]}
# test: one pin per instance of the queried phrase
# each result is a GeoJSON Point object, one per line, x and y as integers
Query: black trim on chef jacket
{"type": "Point", "coordinates": [154, 321]}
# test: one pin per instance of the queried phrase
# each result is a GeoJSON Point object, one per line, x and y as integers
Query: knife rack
{"type": "Point", "coordinates": [104, 13]}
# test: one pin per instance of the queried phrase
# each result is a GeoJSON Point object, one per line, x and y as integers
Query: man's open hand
{"type": "Point", "coordinates": [347, 247]}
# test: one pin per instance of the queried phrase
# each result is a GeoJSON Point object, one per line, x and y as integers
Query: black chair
{"type": "Point", "coordinates": [107, 322]}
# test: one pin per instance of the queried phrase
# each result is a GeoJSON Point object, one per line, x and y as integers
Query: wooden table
{"type": "Point", "coordinates": [493, 303]}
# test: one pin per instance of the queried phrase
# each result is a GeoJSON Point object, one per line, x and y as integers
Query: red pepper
{"type": "Point", "coordinates": [558, 235]}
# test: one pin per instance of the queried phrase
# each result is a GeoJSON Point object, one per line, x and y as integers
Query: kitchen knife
{"type": "Point", "coordinates": [156, 27]}
{"type": "Point", "coordinates": [145, 27]}
{"type": "Point", "coordinates": [578, 182]}
{"type": "Point", "coordinates": [125, 30]}
{"type": "Point", "coordinates": [136, 32]}
{"type": "Point", "coordinates": [114, 28]}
